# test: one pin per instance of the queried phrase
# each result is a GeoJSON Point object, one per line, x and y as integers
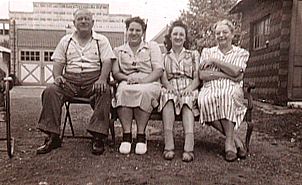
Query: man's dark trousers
{"type": "Point", "coordinates": [77, 84]}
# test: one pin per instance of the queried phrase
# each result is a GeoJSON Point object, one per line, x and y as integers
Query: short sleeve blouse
{"type": "Point", "coordinates": [148, 57]}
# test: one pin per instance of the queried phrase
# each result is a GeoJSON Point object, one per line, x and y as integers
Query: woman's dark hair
{"type": "Point", "coordinates": [168, 42]}
{"type": "Point", "coordinates": [138, 20]}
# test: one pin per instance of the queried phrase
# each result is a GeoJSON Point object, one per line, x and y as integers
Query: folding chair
{"type": "Point", "coordinates": [81, 100]}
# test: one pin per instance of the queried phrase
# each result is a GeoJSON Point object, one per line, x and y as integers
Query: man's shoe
{"type": "Point", "coordinates": [49, 144]}
{"type": "Point", "coordinates": [97, 147]}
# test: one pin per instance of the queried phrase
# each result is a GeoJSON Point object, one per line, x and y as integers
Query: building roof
{"type": "Point", "coordinates": [4, 49]}
{"type": "Point", "coordinates": [39, 38]}
{"type": "Point", "coordinates": [115, 38]}
{"type": "Point", "coordinates": [241, 5]}
{"type": "Point", "coordinates": [4, 20]}
{"type": "Point", "coordinates": [160, 36]}
{"type": "Point", "coordinates": [50, 38]}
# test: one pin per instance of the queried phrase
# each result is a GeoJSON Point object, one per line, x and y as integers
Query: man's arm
{"type": "Point", "coordinates": [57, 69]}
{"type": "Point", "coordinates": [57, 72]}
{"type": "Point", "coordinates": [101, 84]}
{"type": "Point", "coordinates": [106, 68]}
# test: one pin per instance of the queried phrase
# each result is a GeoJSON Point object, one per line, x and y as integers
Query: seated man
{"type": "Point", "coordinates": [82, 62]}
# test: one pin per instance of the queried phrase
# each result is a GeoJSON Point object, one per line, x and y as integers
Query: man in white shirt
{"type": "Point", "coordinates": [82, 62]}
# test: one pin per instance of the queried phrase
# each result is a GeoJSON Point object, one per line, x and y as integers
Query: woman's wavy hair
{"type": "Point", "coordinates": [168, 42]}
{"type": "Point", "coordinates": [138, 20]}
{"type": "Point", "coordinates": [225, 22]}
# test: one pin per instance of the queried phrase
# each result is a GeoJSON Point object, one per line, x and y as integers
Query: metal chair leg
{"type": "Point", "coordinates": [67, 119]}
{"type": "Point", "coordinates": [111, 127]}
{"type": "Point", "coordinates": [250, 126]}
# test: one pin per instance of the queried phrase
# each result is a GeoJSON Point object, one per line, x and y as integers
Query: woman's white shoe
{"type": "Point", "coordinates": [141, 148]}
{"type": "Point", "coordinates": [125, 148]}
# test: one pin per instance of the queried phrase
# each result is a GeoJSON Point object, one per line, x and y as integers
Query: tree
{"type": "Point", "coordinates": [200, 17]}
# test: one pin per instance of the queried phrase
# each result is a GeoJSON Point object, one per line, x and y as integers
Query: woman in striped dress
{"type": "Point", "coordinates": [179, 93]}
{"type": "Point", "coordinates": [221, 98]}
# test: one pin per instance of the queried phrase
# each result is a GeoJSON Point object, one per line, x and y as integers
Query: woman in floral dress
{"type": "Point", "coordinates": [179, 93]}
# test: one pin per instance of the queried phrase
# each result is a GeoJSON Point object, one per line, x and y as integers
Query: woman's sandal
{"type": "Point", "coordinates": [187, 156]}
{"type": "Point", "coordinates": [241, 152]}
{"type": "Point", "coordinates": [230, 156]}
{"type": "Point", "coordinates": [168, 154]}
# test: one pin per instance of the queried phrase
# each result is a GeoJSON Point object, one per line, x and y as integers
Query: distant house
{"type": "Point", "coordinates": [160, 38]}
{"type": "Point", "coordinates": [272, 31]}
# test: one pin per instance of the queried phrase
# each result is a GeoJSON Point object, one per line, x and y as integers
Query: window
{"type": "Point", "coordinates": [30, 56]}
{"type": "Point", "coordinates": [47, 56]}
{"type": "Point", "coordinates": [261, 33]}
{"type": "Point", "coordinates": [4, 29]}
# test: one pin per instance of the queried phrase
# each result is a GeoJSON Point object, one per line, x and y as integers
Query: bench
{"type": "Point", "coordinates": [154, 115]}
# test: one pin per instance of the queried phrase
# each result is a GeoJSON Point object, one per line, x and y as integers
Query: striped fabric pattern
{"type": "Point", "coordinates": [180, 74]}
{"type": "Point", "coordinates": [223, 98]}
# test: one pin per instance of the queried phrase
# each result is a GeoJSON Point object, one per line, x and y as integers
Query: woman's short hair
{"type": "Point", "coordinates": [168, 42]}
{"type": "Point", "coordinates": [225, 22]}
{"type": "Point", "coordinates": [138, 20]}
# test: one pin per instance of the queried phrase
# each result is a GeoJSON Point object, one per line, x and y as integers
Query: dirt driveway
{"type": "Point", "coordinates": [275, 156]}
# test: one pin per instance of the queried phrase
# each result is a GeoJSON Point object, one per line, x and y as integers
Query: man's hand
{"type": "Point", "coordinates": [59, 81]}
{"type": "Point", "coordinates": [100, 86]}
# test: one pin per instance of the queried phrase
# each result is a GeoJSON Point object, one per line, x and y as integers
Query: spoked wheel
{"type": "Point", "coordinates": [10, 140]}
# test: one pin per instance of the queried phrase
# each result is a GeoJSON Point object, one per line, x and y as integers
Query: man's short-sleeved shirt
{"type": "Point", "coordinates": [83, 59]}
